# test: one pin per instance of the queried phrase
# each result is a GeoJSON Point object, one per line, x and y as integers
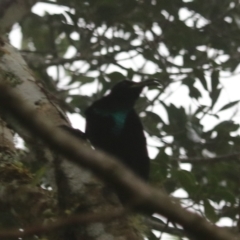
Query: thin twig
{"type": "Point", "coordinates": [223, 158]}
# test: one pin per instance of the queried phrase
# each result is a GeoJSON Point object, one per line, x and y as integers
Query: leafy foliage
{"type": "Point", "coordinates": [188, 44]}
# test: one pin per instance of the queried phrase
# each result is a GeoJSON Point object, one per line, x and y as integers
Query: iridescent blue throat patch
{"type": "Point", "coordinates": [119, 119]}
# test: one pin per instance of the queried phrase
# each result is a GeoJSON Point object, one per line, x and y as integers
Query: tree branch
{"type": "Point", "coordinates": [141, 196]}
{"type": "Point", "coordinates": [60, 223]}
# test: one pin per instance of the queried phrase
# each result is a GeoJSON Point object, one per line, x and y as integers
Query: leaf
{"type": "Point", "coordinates": [200, 75]}
{"type": "Point", "coordinates": [177, 117]}
{"type": "Point", "coordinates": [209, 211]}
{"type": "Point", "coordinates": [155, 118]}
{"type": "Point", "coordinates": [193, 91]}
{"type": "Point", "coordinates": [151, 236]}
{"type": "Point", "coordinates": [187, 180]}
{"type": "Point", "coordinates": [116, 76]}
{"type": "Point", "coordinates": [130, 73]}
{"type": "Point", "coordinates": [215, 80]}
{"type": "Point", "coordinates": [226, 126]}
{"type": "Point", "coordinates": [162, 157]}
{"type": "Point", "coordinates": [201, 108]}
{"type": "Point", "coordinates": [188, 81]}
{"type": "Point", "coordinates": [214, 96]}
{"type": "Point", "coordinates": [228, 105]}
{"type": "Point", "coordinates": [85, 79]}
{"type": "Point", "coordinates": [159, 166]}
{"type": "Point", "coordinates": [80, 101]}
{"type": "Point", "coordinates": [215, 91]}
{"type": "Point", "coordinates": [193, 133]}
{"type": "Point", "coordinates": [151, 121]}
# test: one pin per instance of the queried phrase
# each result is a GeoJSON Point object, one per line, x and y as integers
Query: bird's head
{"type": "Point", "coordinates": [128, 91]}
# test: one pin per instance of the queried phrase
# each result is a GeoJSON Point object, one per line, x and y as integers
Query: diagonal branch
{"type": "Point", "coordinates": [141, 196]}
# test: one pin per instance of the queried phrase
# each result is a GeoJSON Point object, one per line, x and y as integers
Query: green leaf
{"type": "Point", "coordinates": [116, 76]}
{"type": "Point", "coordinates": [209, 211]}
{"type": "Point", "coordinates": [80, 101]}
{"type": "Point", "coordinates": [187, 180]}
{"type": "Point", "coordinates": [228, 105]}
{"type": "Point", "coordinates": [85, 79]}
{"type": "Point", "coordinates": [154, 117]}
{"type": "Point", "coordinates": [150, 122]}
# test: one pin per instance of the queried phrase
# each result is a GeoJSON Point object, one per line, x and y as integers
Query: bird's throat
{"type": "Point", "coordinates": [119, 118]}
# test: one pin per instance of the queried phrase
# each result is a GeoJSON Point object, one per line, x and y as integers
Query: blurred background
{"type": "Point", "coordinates": [80, 49]}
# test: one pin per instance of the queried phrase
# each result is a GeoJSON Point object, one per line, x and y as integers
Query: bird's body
{"type": "Point", "coordinates": [114, 127]}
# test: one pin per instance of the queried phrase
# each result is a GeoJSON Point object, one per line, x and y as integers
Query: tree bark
{"type": "Point", "coordinates": [77, 190]}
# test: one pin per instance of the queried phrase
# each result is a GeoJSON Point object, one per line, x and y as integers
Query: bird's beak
{"type": "Point", "coordinates": [149, 82]}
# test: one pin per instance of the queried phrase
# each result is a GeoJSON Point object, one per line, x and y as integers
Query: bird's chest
{"type": "Point", "coordinates": [111, 122]}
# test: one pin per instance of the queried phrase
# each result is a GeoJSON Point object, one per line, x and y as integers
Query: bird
{"type": "Point", "coordinates": [112, 125]}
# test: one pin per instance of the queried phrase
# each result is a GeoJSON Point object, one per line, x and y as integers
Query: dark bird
{"type": "Point", "coordinates": [114, 127]}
